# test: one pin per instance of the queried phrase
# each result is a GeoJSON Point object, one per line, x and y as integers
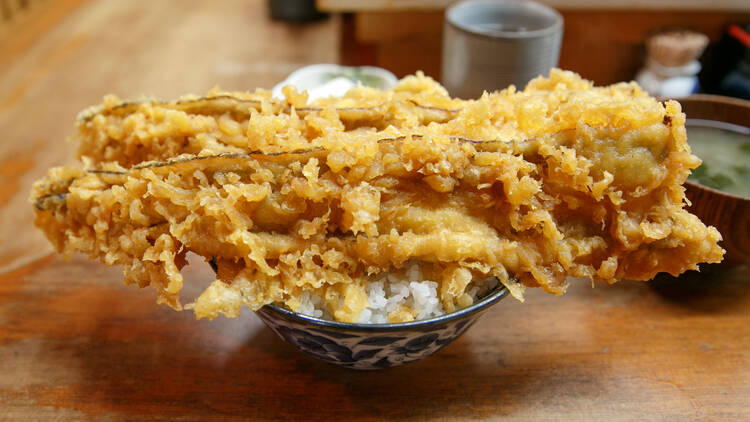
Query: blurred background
{"type": "Point", "coordinates": [242, 44]}
{"type": "Point", "coordinates": [604, 41]}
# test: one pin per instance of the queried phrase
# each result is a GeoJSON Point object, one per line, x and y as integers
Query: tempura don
{"type": "Point", "coordinates": [288, 199]}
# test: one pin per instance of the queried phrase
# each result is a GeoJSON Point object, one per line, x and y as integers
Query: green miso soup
{"type": "Point", "coordinates": [725, 151]}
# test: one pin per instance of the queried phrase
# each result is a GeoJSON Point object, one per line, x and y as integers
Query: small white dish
{"type": "Point", "coordinates": [331, 80]}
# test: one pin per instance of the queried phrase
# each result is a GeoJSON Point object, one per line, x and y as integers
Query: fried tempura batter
{"type": "Point", "coordinates": [559, 180]}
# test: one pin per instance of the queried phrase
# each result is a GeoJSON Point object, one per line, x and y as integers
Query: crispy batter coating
{"type": "Point", "coordinates": [561, 179]}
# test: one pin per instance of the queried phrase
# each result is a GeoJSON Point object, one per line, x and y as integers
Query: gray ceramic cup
{"type": "Point", "coordinates": [491, 44]}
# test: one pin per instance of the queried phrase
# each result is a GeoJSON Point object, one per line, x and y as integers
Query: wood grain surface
{"type": "Point", "coordinates": [77, 344]}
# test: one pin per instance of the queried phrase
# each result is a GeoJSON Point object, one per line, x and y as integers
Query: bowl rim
{"type": "Point", "coordinates": [696, 185]}
{"type": "Point", "coordinates": [495, 296]}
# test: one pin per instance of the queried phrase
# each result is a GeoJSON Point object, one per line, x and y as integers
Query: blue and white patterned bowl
{"type": "Point", "coordinates": [373, 346]}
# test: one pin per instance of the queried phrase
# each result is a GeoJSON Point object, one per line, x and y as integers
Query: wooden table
{"type": "Point", "coordinates": [76, 344]}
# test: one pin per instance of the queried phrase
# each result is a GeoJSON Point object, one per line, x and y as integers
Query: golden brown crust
{"type": "Point", "coordinates": [562, 179]}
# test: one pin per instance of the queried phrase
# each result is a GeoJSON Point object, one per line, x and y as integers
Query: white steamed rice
{"type": "Point", "coordinates": [389, 292]}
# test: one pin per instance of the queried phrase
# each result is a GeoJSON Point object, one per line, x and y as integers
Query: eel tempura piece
{"type": "Point", "coordinates": [287, 198]}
